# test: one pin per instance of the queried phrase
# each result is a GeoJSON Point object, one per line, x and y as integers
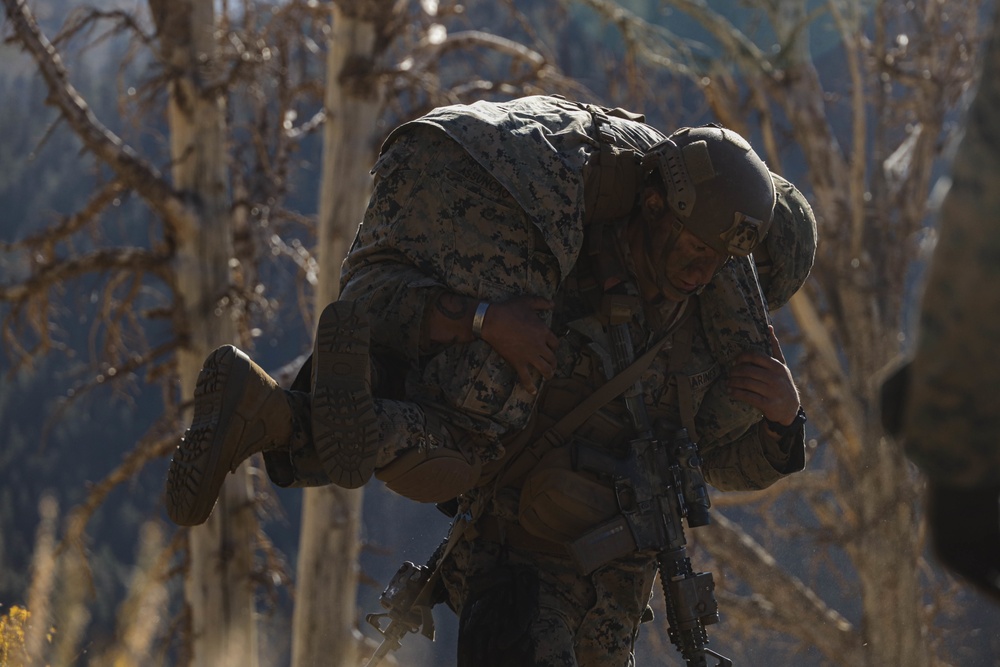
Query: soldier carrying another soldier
{"type": "Point", "coordinates": [513, 259]}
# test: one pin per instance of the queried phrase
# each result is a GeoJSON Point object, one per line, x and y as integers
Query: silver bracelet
{"type": "Point", "coordinates": [477, 319]}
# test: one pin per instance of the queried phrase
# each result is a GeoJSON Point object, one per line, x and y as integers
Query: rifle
{"type": "Point", "coordinates": [657, 484]}
{"type": "Point", "coordinates": [408, 599]}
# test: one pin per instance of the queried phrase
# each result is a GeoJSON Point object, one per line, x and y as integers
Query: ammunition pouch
{"type": "Point", "coordinates": [575, 509]}
{"type": "Point", "coordinates": [434, 461]}
{"type": "Point", "coordinates": [560, 504]}
{"type": "Point", "coordinates": [432, 474]}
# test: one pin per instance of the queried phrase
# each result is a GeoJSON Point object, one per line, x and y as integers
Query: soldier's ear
{"type": "Point", "coordinates": [654, 204]}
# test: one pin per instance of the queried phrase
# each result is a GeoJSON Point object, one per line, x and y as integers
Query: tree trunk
{"type": "Point", "coordinates": [218, 587]}
{"type": "Point", "coordinates": [886, 555]}
{"type": "Point", "coordinates": [325, 614]}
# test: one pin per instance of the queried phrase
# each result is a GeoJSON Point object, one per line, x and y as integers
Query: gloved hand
{"type": "Point", "coordinates": [965, 533]}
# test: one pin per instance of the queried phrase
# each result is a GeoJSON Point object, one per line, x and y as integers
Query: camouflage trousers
{"type": "Point", "coordinates": [403, 427]}
{"type": "Point", "coordinates": [524, 608]}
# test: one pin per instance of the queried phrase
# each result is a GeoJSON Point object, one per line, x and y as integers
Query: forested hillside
{"type": "Point", "coordinates": [855, 102]}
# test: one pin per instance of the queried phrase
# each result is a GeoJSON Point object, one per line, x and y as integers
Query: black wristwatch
{"type": "Point", "coordinates": [781, 429]}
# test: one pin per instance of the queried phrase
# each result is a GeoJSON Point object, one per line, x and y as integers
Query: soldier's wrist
{"type": "Point", "coordinates": [781, 431]}
{"type": "Point", "coordinates": [479, 318]}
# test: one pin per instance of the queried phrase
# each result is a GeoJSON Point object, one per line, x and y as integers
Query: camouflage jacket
{"type": "Point", "coordinates": [951, 421]}
{"type": "Point", "coordinates": [487, 200]}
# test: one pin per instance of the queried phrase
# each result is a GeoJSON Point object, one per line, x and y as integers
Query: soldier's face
{"type": "Point", "coordinates": [689, 266]}
{"type": "Point", "coordinates": [669, 269]}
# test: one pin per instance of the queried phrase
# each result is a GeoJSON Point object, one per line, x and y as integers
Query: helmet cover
{"type": "Point", "coordinates": [785, 258]}
{"type": "Point", "coordinates": [717, 187]}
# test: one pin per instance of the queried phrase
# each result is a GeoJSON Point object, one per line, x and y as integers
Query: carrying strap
{"type": "Point", "coordinates": [459, 527]}
{"type": "Point", "coordinates": [618, 173]}
{"type": "Point", "coordinates": [606, 190]}
{"type": "Point", "coordinates": [556, 435]}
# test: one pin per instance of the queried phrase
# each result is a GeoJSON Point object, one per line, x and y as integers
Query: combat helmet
{"type": "Point", "coordinates": [717, 187]}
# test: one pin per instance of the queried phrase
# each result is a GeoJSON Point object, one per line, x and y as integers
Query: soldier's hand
{"type": "Point", "coordinates": [516, 331]}
{"type": "Point", "coordinates": [766, 383]}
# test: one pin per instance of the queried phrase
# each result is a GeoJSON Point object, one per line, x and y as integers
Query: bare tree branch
{"type": "Point", "coordinates": [47, 238]}
{"type": "Point", "coordinates": [129, 167]}
{"type": "Point", "coordinates": [792, 603]}
{"type": "Point", "coordinates": [160, 440]}
{"type": "Point", "coordinates": [100, 260]}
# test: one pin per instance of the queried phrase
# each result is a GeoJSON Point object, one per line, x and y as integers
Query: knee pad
{"type": "Point", "coordinates": [431, 475]}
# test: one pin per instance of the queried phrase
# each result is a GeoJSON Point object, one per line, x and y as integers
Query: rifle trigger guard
{"type": "Point", "coordinates": [723, 661]}
{"type": "Point", "coordinates": [375, 620]}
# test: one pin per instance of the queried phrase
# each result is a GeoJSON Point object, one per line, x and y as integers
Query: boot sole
{"type": "Point", "coordinates": [206, 452]}
{"type": "Point", "coordinates": [344, 424]}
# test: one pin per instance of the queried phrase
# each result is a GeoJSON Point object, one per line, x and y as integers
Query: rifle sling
{"type": "Point", "coordinates": [556, 435]}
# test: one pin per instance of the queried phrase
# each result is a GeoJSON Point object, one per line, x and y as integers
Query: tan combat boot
{"type": "Point", "coordinates": [344, 424]}
{"type": "Point", "coordinates": [239, 410]}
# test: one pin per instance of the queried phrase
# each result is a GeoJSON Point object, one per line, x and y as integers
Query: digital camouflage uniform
{"type": "Point", "coordinates": [948, 394]}
{"type": "Point", "coordinates": [952, 420]}
{"type": "Point", "coordinates": [487, 201]}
